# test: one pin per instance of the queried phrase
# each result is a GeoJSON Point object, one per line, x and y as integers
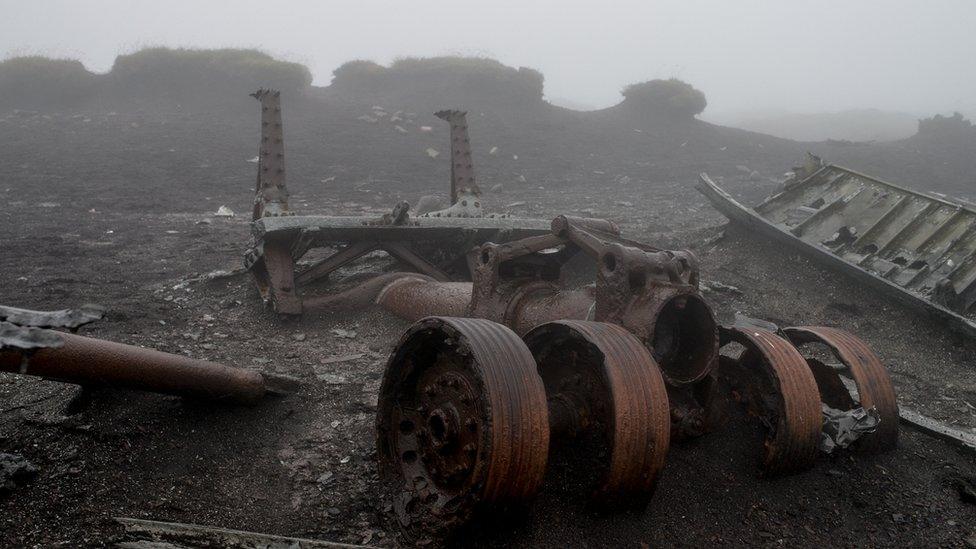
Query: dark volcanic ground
{"type": "Point", "coordinates": [116, 209]}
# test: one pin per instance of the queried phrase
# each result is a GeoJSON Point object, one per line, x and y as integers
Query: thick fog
{"type": "Point", "coordinates": [747, 55]}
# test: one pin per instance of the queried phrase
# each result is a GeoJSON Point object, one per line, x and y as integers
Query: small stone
{"type": "Point", "coordinates": [299, 336]}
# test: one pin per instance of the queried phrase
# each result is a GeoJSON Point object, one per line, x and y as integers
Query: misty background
{"type": "Point", "coordinates": [763, 65]}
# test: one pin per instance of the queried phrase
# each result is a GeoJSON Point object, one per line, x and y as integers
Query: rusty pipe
{"type": "Point", "coordinates": [95, 362]}
{"type": "Point", "coordinates": [413, 298]}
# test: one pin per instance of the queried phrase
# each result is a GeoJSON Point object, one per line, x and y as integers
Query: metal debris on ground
{"type": "Point", "coordinates": [433, 243]}
{"type": "Point", "coordinates": [86, 361]}
{"type": "Point", "coordinates": [917, 248]}
{"type": "Point", "coordinates": [464, 397]}
{"type": "Point", "coordinates": [506, 367]}
{"type": "Point", "coordinates": [152, 534]}
{"type": "Point", "coordinates": [841, 428]}
{"type": "Point", "coordinates": [65, 318]}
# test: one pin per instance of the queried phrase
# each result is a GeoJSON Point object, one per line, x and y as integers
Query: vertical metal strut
{"type": "Point", "coordinates": [462, 168]}
{"type": "Point", "coordinates": [271, 193]}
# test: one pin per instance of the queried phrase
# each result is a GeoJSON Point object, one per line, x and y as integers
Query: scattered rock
{"type": "Point", "coordinates": [224, 211]}
{"type": "Point", "coordinates": [253, 160]}
{"type": "Point", "coordinates": [432, 152]}
{"type": "Point", "coordinates": [300, 336]}
{"type": "Point", "coordinates": [15, 471]}
{"type": "Point", "coordinates": [343, 358]}
{"type": "Point", "coordinates": [346, 334]}
{"type": "Point", "coordinates": [493, 151]}
{"type": "Point", "coordinates": [400, 129]}
{"type": "Point", "coordinates": [497, 188]}
{"type": "Point", "coordinates": [426, 129]}
{"type": "Point", "coordinates": [715, 286]}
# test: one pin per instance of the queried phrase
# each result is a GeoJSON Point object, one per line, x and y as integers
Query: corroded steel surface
{"type": "Point", "coordinates": [413, 298]}
{"type": "Point", "coordinates": [874, 387]}
{"type": "Point", "coordinates": [462, 168]}
{"type": "Point", "coordinates": [917, 248]}
{"type": "Point", "coordinates": [271, 192]}
{"type": "Point", "coordinates": [773, 378]}
{"type": "Point", "coordinates": [88, 361]}
{"type": "Point", "coordinates": [601, 379]}
{"type": "Point", "coordinates": [461, 422]}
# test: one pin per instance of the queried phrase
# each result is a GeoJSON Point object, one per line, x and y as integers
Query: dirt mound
{"type": "Point", "coordinates": [152, 79]}
{"type": "Point", "coordinates": [437, 82]}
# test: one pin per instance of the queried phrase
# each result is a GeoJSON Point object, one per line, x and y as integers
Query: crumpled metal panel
{"type": "Point", "coordinates": [65, 318]}
{"type": "Point", "coordinates": [25, 338]}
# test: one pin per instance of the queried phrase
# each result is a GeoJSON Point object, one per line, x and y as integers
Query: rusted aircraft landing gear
{"type": "Point", "coordinates": [467, 408]}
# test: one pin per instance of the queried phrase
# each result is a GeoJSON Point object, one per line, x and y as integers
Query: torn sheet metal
{"type": "Point", "coordinates": [916, 248]}
{"type": "Point", "coordinates": [841, 428]}
{"type": "Point", "coordinates": [26, 338]}
{"type": "Point", "coordinates": [65, 318]}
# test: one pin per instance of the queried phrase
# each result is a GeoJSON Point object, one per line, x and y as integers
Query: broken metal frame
{"type": "Point", "coordinates": [281, 238]}
{"type": "Point", "coordinates": [917, 249]}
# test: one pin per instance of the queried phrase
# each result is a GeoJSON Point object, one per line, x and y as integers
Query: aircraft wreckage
{"type": "Point", "coordinates": [507, 366]}
{"type": "Point", "coordinates": [916, 248]}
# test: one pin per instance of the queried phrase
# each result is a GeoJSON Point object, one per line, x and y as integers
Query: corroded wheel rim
{"type": "Point", "coordinates": [874, 386]}
{"type": "Point", "coordinates": [461, 420]}
{"type": "Point", "coordinates": [600, 378]}
{"type": "Point", "coordinates": [777, 384]}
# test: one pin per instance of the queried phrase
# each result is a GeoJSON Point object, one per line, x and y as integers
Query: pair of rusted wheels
{"type": "Point", "coordinates": [785, 380]}
{"type": "Point", "coordinates": [467, 410]}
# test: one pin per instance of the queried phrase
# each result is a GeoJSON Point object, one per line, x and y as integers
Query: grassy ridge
{"type": "Point", "coordinates": [161, 77]}
{"type": "Point", "coordinates": [449, 80]}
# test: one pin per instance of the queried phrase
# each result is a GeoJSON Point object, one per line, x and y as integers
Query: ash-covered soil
{"type": "Point", "coordinates": [115, 208]}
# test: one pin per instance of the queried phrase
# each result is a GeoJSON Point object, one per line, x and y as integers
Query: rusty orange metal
{"type": "Point", "coordinates": [874, 386]}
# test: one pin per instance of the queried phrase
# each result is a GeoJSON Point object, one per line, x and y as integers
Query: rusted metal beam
{"type": "Point", "coordinates": [271, 192]}
{"type": "Point", "coordinates": [412, 259]}
{"type": "Point", "coordinates": [94, 362]}
{"type": "Point", "coordinates": [322, 268]}
{"type": "Point", "coordinates": [462, 167]}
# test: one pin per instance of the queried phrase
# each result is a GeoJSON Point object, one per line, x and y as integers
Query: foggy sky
{"type": "Point", "coordinates": [746, 55]}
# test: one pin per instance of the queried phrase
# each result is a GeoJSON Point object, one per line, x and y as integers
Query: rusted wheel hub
{"type": "Point", "coordinates": [872, 384]}
{"type": "Point", "coordinates": [773, 380]}
{"type": "Point", "coordinates": [461, 421]}
{"type": "Point", "coordinates": [607, 395]}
